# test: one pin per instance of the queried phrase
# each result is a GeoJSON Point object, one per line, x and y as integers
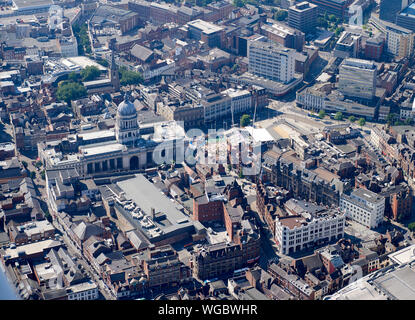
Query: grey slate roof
{"type": "Point", "coordinates": [141, 52]}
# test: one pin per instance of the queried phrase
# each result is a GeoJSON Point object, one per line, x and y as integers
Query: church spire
{"type": "Point", "coordinates": [113, 64]}
{"type": "Point", "coordinates": [114, 76]}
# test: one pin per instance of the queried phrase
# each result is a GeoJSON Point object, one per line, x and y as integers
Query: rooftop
{"type": "Point", "coordinates": [80, 287]}
{"type": "Point", "coordinates": [32, 248]}
{"type": "Point", "coordinates": [168, 216]}
{"type": "Point", "coordinates": [367, 195]}
{"type": "Point", "coordinates": [23, 4]}
{"type": "Point", "coordinates": [404, 255]}
{"type": "Point", "coordinates": [204, 26]}
{"type": "Point", "coordinates": [391, 283]}
{"type": "Point", "coordinates": [101, 149]}
{"type": "Point", "coordinates": [408, 11]}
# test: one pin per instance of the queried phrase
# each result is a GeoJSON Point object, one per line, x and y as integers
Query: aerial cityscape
{"type": "Point", "coordinates": [238, 150]}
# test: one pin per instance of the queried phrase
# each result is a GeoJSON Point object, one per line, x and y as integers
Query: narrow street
{"type": "Point", "coordinates": [75, 252]}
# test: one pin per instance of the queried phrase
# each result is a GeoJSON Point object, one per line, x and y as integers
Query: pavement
{"type": "Point", "coordinates": [268, 250]}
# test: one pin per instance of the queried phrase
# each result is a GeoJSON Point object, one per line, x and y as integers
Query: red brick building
{"type": "Point", "coordinates": [374, 48]}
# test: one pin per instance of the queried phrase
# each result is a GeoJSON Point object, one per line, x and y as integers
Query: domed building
{"type": "Point", "coordinates": [122, 149]}
{"type": "Point", "coordinates": [127, 130]}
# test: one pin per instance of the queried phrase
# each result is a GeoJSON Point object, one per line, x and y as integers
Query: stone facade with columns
{"type": "Point", "coordinates": [105, 151]}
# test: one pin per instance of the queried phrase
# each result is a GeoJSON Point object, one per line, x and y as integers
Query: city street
{"type": "Point", "coordinates": [75, 252]}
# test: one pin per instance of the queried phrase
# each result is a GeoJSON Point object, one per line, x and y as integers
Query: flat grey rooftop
{"type": "Point", "coordinates": [147, 196]}
{"type": "Point", "coordinates": [399, 284]}
{"type": "Point", "coordinates": [31, 3]}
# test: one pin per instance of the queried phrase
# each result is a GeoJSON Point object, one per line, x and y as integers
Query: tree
{"type": "Point", "coordinates": [352, 118]}
{"type": "Point", "coordinates": [103, 62]}
{"type": "Point", "coordinates": [130, 77]}
{"type": "Point", "coordinates": [32, 175]}
{"type": "Point", "coordinates": [411, 226]}
{"type": "Point", "coordinates": [48, 215]}
{"type": "Point", "coordinates": [245, 120]}
{"type": "Point", "coordinates": [322, 114]}
{"type": "Point", "coordinates": [338, 31]}
{"type": "Point", "coordinates": [338, 116]}
{"type": "Point", "coordinates": [81, 35]}
{"type": "Point", "coordinates": [361, 121]}
{"type": "Point", "coordinates": [281, 15]}
{"type": "Point", "coordinates": [332, 18]}
{"type": "Point", "coordinates": [74, 77]}
{"type": "Point", "coordinates": [321, 22]}
{"type": "Point", "coordinates": [90, 73]}
{"type": "Point", "coordinates": [42, 175]}
{"type": "Point", "coordinates": [409, 122]}
{"type": "Point", "coordinates": [68, 91]}
{"type": "Point", "coordinates": [239, 3]}
{"type": "Point", "coordinates": [391, 117]}
{"type": "Point", "coordinates": [24, 163]}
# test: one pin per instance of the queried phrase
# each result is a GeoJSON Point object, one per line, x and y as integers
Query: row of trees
{"type": "Point", "coordinates": [339, 117]}
{"type": "Point", "coordinates": [331, 23]}
{"type": "Point", "coordinates": [73, 88]}
{"type": "Point", "coordinates": [393, 119]}
{"type": "Point", "coordinates": [68, 91]}
{"type": "Point", "coordinates": [280, 15]}
{"type": "Point", "coordinates": [81, 35]}
{"type": "Point", "coordinates": [200, 3]}
{"type": "Point", "coordinates": [128, 77]}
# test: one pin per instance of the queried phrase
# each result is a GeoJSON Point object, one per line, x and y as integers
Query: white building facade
{"type": "Point", "coordinates": [271, 61]}
{"type": "Point", "coordinates": [364, 207]}
{"type": "Point", "coordinates": [68, 47]}
{"type": "Point", "coordinates": [83, 291]}
{"type": "Point", "coordinates": [292, 236]}
{"type": "Point", "coordinates": [357, 78]}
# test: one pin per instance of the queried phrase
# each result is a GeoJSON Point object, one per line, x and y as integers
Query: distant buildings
{"type": "Point", "coordinates": [7, 150]}
{"type": "Point", "coordinates": [357, 78]}
{"type": "Point", "coordinates": [117, 153]}
{"type": "Point", "coordinates": [406, 17]}
{"type": "Point", "coordinates": [111, 16]}
{"type": "Point", "coordinates": [336, 7]}
{"type": "Point", "coordinates": [389, 9]}
{"type": "Point", "coordinates": [280, 33]}
{"type": "Point", "coordinates": [207, 32]}
{"type": "Point", "coordinates": [23, 7]}
{"type": "Point", "coordinates": [364, 207]}
{"type": "Point", "coordinates": [304, 183]}
{"type": "Point", "coordinates": [303, 16]}
{"type": "Point", "coordinates": [399, 40]}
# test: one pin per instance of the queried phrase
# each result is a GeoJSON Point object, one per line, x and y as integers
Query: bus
{"type": "Point", "coordinates": [210, 280]}
{"type": "Point", "coordinates": [240, 272]}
